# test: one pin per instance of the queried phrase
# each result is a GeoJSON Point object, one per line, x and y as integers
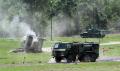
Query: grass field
{"type": "Point", "coordinates": [108, 38]}
{"type": "Point", "coordinates": [99, 66]}
{"type": "Point", "coordinates": [39, 61]}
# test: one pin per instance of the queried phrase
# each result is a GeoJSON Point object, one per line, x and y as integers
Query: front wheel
{"type": "Point", "coordinates": [58, 59]}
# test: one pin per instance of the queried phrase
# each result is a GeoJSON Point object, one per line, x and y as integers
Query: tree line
{"type": "Point", "coordinates": [80, 14]}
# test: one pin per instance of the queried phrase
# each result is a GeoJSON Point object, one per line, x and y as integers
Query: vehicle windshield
{"type": "Point", "coordinates": [60, 45]}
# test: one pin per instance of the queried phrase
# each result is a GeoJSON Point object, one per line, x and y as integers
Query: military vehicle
{"type": "Point", "coordinates": [85, 52]}
{"type": "Point", "coordinates": [93, 33]}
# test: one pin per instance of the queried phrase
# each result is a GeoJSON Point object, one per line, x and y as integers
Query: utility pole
{"type": "Point", "coordinates": [51, 29]}
{"type": "Point", "coordinates": [51, 22]}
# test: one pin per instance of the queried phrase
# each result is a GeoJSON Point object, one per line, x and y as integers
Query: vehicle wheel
{"type": "Point", "coordinates": [74, 59]}
{"type": "Point", "coordinates": [80, 59]}
{"type": "Point", "coordinates": [86, 58]}
{"type": "Point", "coordinates": [58, 59]}
{"type": "Point", "coordinates": [93, 60]}
{"type": "Point", "coordinates": [69, 59]}
{"type": "Point", "coordinates": [93, 57]}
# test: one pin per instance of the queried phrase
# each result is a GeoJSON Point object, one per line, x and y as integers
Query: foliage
{"type": "Point", "coordinates": [101, 14]}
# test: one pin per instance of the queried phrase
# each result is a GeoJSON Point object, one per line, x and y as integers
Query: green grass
{"type": "Point", "coordinates": [108, 38]}
{"type": "Point", "coordinates": [18, 58]}
{"type": "Point", "coordinates": [39, 61]}
{"type": "Point", "coordinates": [110, 50]}
{"type": "Point", "coordinates": [98, 66]}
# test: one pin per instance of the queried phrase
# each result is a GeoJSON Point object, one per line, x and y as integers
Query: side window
{"type": "Point", "coordinates": [56, 46]}
{"type": "Point", "coordinates": [68, 46]}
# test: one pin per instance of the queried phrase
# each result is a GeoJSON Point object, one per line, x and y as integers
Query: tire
{"type": "Point", "coordinates": [93, 60]}
{"type": "Point", "coordinates": [70, 59]}
{"type": "Point", "coordinates": [93, 57]}
{"type": "Point", "coordinates": [74, 59]}
{"type": "Point", "coordinates": [58, 59]}
{"type": "Point", "coordinates": [80, 59]}
{"type": "Point", "coordinates": [87, 58]}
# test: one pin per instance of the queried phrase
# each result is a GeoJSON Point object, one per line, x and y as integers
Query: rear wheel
{"type": "Point", "coordinates": [93, 57]}
{"type": "Point", "coordinates": [87, 58]}
{"type": "Point", "coordinates": [71, 58]}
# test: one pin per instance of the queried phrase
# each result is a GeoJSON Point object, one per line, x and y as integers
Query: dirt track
{"type": "Point", "coordinates": [109, 59]}
{"type": "Point", "coordinates": [110, 43]}
{"type": "Point", "coordinates": [101, 59]}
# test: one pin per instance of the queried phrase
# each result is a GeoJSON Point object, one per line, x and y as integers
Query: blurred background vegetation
{"type": "Point", "coordinates": [73, 16]}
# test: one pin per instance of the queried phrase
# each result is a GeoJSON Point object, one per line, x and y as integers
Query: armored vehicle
{"type": "Point", "coordinates": [93, 33]}
{"type": "Point", "coordinates": [85, 52]}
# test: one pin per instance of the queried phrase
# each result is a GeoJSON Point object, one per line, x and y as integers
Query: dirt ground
{"type": "Point", "coordinates": [100, 59]}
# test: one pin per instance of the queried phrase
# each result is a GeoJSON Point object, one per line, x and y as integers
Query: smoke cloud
{"type": "Point", "coordinates": [13, 20]}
